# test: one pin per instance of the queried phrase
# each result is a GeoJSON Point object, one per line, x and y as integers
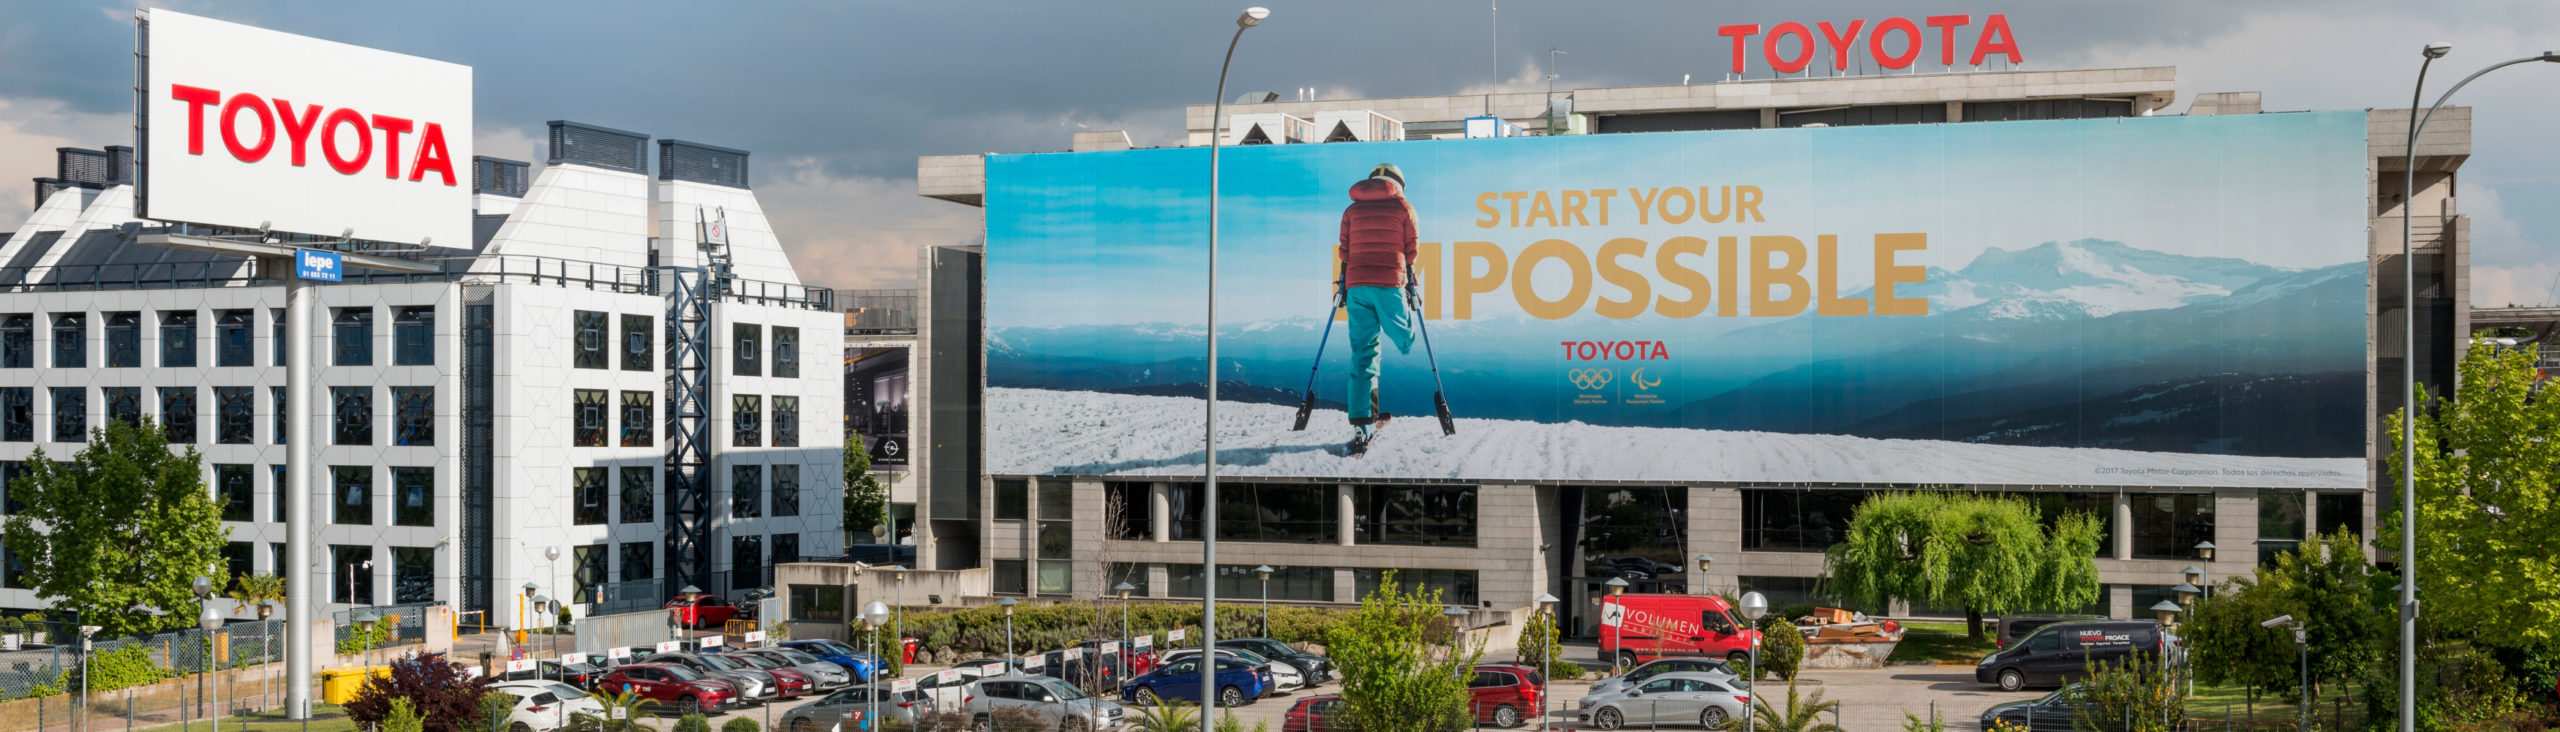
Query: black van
{"type": "Point", "coordinates": [2012, 630]}
{"type": "Point", "coordinates": [2060, 653]}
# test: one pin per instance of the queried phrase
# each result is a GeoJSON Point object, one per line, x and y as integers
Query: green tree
{"type": "Point", "coordinates": [261, 591]}
{"type": "Point", "coordinates": [1402, 669]}
{"type": "Point", "coordinates": [79, 519]}
{"type": "Point", "coordinates": [1802, 714]}
{"type": "Point", "coordinates": [2489, 518]}
{"type": "Point", "coordinates": [2137, 694]}
{"type": "Point", "coordinates": [1990, 554]}
{"type": "Point", "coordinates": [866, 501]}
{"type": "Point", "coordinates": [1781, 648]}
{"type": "Point", "coordinates": [2226, 646]}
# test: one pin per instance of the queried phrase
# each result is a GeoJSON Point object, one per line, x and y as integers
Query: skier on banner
{"type": "Point", "coordinates": [1375, 254]}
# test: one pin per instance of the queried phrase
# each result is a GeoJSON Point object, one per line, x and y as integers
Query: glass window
{"type": "Point", "coordinates": [18, 414]}
{"type": "Point", "coordinates": [177, 339]}
{"type": "Point", "coordinates": [351, 494]}
{"type": "Point", "coordinates": [1013, 502]}
{"type": "Point", "coordinates": [1456, 586]}
{"type": "Point", "coordinates": [639, 418]}
{"type": "Point", "coordinates": [746, 562]}
{"type": "Point", "coordinates": [591, 337]}
{"type": "Point", "coordinates": [746, 418]}
{"type": "Point", "coordinates": [1057, 498]}
{"type": "Point", "coordinates": [351, 415]}
{"type": "Point", "coordinates": [413, 574]}
{"type": "Point", "coordinates": [178, 413]}
{"type": "Point", "coordinates": [637, 343]}
{"type": "Point", "coordinates": [586, 487]}
{"type": "Point", "coordinates": [1128, 511]}
{"type": "Point", "coordinates": [1134, 574]}
{"type": "Point", "coordinates": [275, 557]}
{"type": "Point", "coordinates": [413, 336]}
{"type": "Point", "coordinates": [1796, 519]}
{"type": "Point", "coordinates": [413, 496]}
{"type": "Point", "coordinates": [744, 344]}
{"type": "Point", "coordinates": [71, 341]}
{"type": "Point", "coordinates": [276, 488]}
{"type": "Point", "coordinates": [1297, 584]}
{"type": "Point", "coordinates": [1278, 513]}
{"type": "Point", "coordinates": [786, 490]}
{"type": "Point", "coordinates": [2342, 512]}
{"type": "Point", "coordinates": [413, 415]}
{"type": "Point", "coordinates": [351, 337]}
{"type": "Point", "coordinates": [351, 575]}
{"type": "Point", "coordinates": [124, 403]}
{"type": "Point", "coordinates": [2168, 525]}
{"type": "Point", "coordinates": [817, 602]}
{"type": "Point", "coordinates": [238, 560]}
{"type": "Point", "coordinates": [238, 491]}
{"type": "Point", "coordinates": [18, 341]}
{"type": "Point", "coordinates": [1012, 577]}
{"type": "Point", "coordinates": [276, 396]}
{"type": "Point", "coordinates": [235, 415]}
{"type": "Point", "coordinates": [124, 340]}
{"type": "Point", "coordinates": [786, 352]}
{"type": "Point", "coordinates": [639, 493]}
{"type": "Point", "coordinates": [2051, 507]}
{"type": "Point", "coordinates": [1057, 577]}
{"type": "Point", "coordinates": [1057, 539]}
{"type": "Point", "coordinates": [2280, 515]}
{"type": "Point", "coordinates": [636, 561]}
{"type": "Point", "coordinates": [1409, 515]}
{"type": "Point", "coordinates": [592, 571]}
{"type": "Point", "coordinates": [746, 491]}
{"type": "Point", "coordinates": [233, 341]}
{"type": "Point", "coordinates": [9, 471]}
{"type": "Point", "coordinates": [786, 421]}
{"type": "Point", "coordinates": [786, 549]}
{"type": "Point", "coordinates": [276, 336]}
{"type": "Point", "coordinates": [70, 414]}
{"type": "Point", "coordinates": [590, 416]}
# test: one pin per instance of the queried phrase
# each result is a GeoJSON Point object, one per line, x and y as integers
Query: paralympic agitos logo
{"type": "Point", "coordinates": [280, 120]}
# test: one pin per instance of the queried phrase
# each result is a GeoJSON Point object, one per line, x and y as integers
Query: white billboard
{"type": "Point", "coordinates": [242, 126]}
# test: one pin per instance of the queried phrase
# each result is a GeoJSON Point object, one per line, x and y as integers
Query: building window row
{"type": "Point", "coordinates": [746, 351]}
{"type": "Point", "coordinates": [351, 409]}
{"type": "Point", "coordinates": [1395, 515]}
{"type": "Point", "coordinates": [748, 494]}
{"type": "Point", "coordinates": [590, 498]}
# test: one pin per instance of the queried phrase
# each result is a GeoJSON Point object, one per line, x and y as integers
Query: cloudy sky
{"type": "Point", "coordinates": [837, 99]}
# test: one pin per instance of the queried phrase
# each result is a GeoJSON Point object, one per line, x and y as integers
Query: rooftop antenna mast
{"type": "Point", "coordinates": [1494, 53]}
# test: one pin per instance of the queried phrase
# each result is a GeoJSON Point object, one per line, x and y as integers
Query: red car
{"type": "Point", "coordinates": [669, 687]}
{"type": "Point", "coordinates": [1506, 695]}
{"type": "Point", "coordinates": [1316, 714]}
{"type": "Point", "coordinates": [791, 684]}
{"type": "Point", "coordinates": [701, 610]}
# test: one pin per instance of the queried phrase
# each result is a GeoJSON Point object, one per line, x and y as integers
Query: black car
{"type": "Point", "coordinates": [2052, 713]}
{"type": "Point", "coordinates": [2062, 652]}
{"type": "Point", "coordinates": [1092, 671]}
{"type": "Point", "coordinates": [1317, 669]}
{"type": "Point", "coordinates": [2012, 630]}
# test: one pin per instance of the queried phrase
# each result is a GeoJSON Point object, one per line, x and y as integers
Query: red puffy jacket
{"type": "Point", "coordinates": [1377, 235]}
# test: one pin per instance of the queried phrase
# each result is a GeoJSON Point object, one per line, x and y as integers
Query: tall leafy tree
{"type": "Point", "coordinates": [1401, 666]}
{"type": "Point", "coordinates": [866, 501]}
{"type": "Point", "coordinates": [118, 533]}
{"type": "Point", "coordinates": [2489, 517]}
{"type": "Point", "coordinates": [1990, 554]}
{"type": "Point", "coordinates": [2328, 585]}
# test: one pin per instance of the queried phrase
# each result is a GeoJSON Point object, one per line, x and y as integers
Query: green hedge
{"type": "Point", "coordinates": [980, 631]}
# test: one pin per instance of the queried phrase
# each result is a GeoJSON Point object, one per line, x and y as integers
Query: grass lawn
{"type": "Point", "coordinates": [2209, 702]}
{"type": "Point", "coordinates": [1940, 642]}
{"type": "Point", "coordinates": [324, 718]}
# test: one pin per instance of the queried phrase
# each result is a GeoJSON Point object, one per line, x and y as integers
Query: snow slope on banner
{"type": "Point", "coordinates": [1091, 433]}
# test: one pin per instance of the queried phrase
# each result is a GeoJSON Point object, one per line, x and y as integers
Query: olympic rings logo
{"type": "Point", "coordinates": [1589, 379]}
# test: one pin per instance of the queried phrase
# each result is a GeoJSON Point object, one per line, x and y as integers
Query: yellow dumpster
{"type": "Point", "coordinates": [339, 685]}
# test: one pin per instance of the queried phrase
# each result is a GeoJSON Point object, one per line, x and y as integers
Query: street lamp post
{"type": "Point", "coordinates": [1551, 88]}
{"type": "Point", "coordinates": [1705, 562]}
{"type": "Point", "coordinates": [1264, 572]}
{"type": "Point", "coordinates": [1124, 588]}
{"type": "Point", "coordinates": [1617, 587]}
{"type": "Point", "coordinates": [898, 617]}
{"type": "Point", "coordinates": [203, 587]}
{"type": "Point", "coordinates": [85, 632]}
{"type": "Point", "coordinates": [542, 605]}
{"type": "Point", "coordinates": [209, 621]}
{"type": "Point", "coordinates": [1457, 616]}
{"type": "Point", "coordinates": [1007, 604]}
{"type": "Point", "coordinates": [1546, 658]}
{"type": "Point", "coordinates": [366, 620]}
{"type": "Point", "coordinates": [2409, 387]}
{"type": "Point", "coordinates": [552, 617]}
{"type": "Point", "coordinates": [876, 614]}
{"type": "Point", "coordinates": [2302, 650]}
{"type": "Point", "coordinates": [1209, 429]}
{"type": "Point", "coordinates": [1754, 605]}
{"type": "Point", "coordinates": [524, 620]}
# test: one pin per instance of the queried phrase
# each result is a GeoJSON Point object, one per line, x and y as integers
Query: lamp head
{"type": "Point", "coordinates": [2204, 550]}
{"type": "Point", "coordinates": [875, 612]}
{"type": "Point", "coordinates": [1124, 589]}
{"type": "Point", "coordinates": [1617, 586]}
{"type": "Point", "coordinates": [529, 589]}
{"type": "Point", "coordinates": [1252, 17]}
{"type": "Point", "coordinates": [1754, 605]}
{"type": "Point", "coordinates": [1704, 560]}
{"type": "Point", "coordinates": [551, 552]}
{"type": "Point", "coordinates": [202, 586]}
{"type": "Point", "coordinates": [541, 603]}
{"type": "Point", "coordinates": [2168, 612]}
{"type": "Point", "coordinates": [1263, 572]}
{"type": "Point", "coordinates": [1007, 604]}
{"type": "Point", "coordinates": [210, 620]}
{"type": "Point", "coordinates": [688, 589]}
{"type": "Point", "coordinates": [1546, 601]}
{"type": "Point", "coordinates": [2438, 50]}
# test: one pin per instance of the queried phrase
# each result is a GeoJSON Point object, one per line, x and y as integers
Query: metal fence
{"type": "Point", "coordinates": [640, 630]}
{"type": "Point", "coordinates": [411, 625]}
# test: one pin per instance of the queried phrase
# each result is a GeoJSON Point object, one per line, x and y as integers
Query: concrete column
{"type": "Point", "coordinates": [2124, 528]}
{"type": "Point", "coordinates": [1346, 586]}
{"type": "Point", "coordinates": [1715, 527]}
{"type": "Point", "coordinates": [2119, 602]}
{"type": "Point", "coordinates": [1955, 111]}
{"type": "Point", "coordinates": [2235, 534]}
{"type": "Point", "coordinates": [1159, 513]}
{"type": "Point", "coordinates": [2310, 516]}
{"type": "Point", "coordinates": [1769, 117]}
{"type": "Point", "coordinates": [1157, 578]}
{"type": "Point", "coordinates": [1344, 508]}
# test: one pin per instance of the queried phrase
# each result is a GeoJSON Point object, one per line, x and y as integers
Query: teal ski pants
{"type": "Point", "coordinates": [1374, 311]}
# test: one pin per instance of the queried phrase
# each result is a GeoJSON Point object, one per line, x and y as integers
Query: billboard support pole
{"type": "Point", "coordinates": [1209, 455]}
{"type": "Point", "coordinates": [2409, 384]}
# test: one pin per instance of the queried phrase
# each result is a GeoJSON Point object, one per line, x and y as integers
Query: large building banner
{"type": "Point", "coordinates": [2172, 301]}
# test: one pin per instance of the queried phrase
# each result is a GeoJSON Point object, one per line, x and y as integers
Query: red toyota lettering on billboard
{"type": "Point", "coordinates": [429, 155]}
{"type": "Point", "coordinates": [1893, 43]}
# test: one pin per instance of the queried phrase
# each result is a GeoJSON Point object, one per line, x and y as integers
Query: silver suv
{"type": "Point", "coordinates": [1047, 702]}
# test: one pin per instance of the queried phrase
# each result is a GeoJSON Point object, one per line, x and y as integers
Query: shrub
{"type": "Point", "coordinates": [1170, 716]}
{"type": "Point", "coordinates": [436, 688]}
{"type": "Point", "coordinates": [362, 637]}
{"type": "Point", "coordinates": [1013, 719]}
{"type": "Point", "coordinates": [1802, 714]}
{"type": "Point", "coordinates": [979, 631]}
{"type": "Point", "coordinates": [740, 724]}
{"type": "Point", "coordinates": [1561, 669]}
{"type": "Point", "coordinates": [402, 718]}
{"type": "Point", "coordinates": [692, 723]}
{"type": "Point", "coordinates": [1781, 648]}
{"type": "Point", "coordinates": [583, 722]}
{"type": "Point", "coordinates": [131, 665]}
{"type": "Point", "coordinates": [2135, 695]}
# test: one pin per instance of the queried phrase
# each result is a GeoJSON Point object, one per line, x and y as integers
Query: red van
{"type": "Point", "coordinates": [1654, 626]}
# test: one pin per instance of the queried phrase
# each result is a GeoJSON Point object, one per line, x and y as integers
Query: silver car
{"type": "Point", "coordinates": [1706, 700]}
{"type": "Point", "coordinates": [831, 710]}
{"type": "Point", "coordinates": [1660, 666]}
{"type": "Point", "coordinates": [754, 685]}
{"type": "Point", "coordinates": [1042, 701]}
{"type": "Point", "coordinates": [826, 676]}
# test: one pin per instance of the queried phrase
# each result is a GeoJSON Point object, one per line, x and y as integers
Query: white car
{"type": "Point", "coordinates": [952, 695]}
{"type": "Point", "coordinates": [1285, 678]}
{"type": "Point", "coordinates": [543, 706]}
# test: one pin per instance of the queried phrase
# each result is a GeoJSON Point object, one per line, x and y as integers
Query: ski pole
{"type": "Point", "coordinates": [1307, 407]}
{"type": "Point", "coordinates": [1439, 391]}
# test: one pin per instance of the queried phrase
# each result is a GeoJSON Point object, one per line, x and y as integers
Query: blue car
{"type": "Point", "coordinates": [863, 665]}
{"type": "Point", "coordinates": [1238, 682]}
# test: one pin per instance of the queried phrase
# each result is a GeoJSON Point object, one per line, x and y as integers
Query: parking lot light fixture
{"type": "Point", "coordinates": [1754, 606]}
{"type": "Point", "coordinates": [1546, 657]}
{"type": "Point", "coordinates": [1007, 604]}
{"type": "Point", "coordinates": [2167, 612]}
{"type": "Point", "coordinates": [2204, 550]}
{"type": "Point", "coordinates": [1457, 637]}
{"type": "Point", "coordinates": [1264, 573]}
{"type": "Point", "coordinates": [875, 614]}
{"type": "Point", "coordinates": [1704, 562]}
{"type": "Point", "coordinates": [1617, 586]}
{"type": "Point", "coordinates": [2186, 594]}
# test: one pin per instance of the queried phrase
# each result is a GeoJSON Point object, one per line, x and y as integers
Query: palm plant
{"type": "Point", "coordinates": [621, 709]}
{"type": "Point", "coordinates": [1802, 714]}
{"type": "Point", "coordinates": [261, 591]}
{"type": "Point", "coordinates": [1168, 717]}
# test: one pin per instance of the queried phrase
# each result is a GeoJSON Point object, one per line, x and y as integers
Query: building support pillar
{"type": "Point", "coordinates": [1160, 512]}
{"type": "Point", "coordinates": [2124, 526]}
{"type": "Point", "coordinates": [1345, 507]}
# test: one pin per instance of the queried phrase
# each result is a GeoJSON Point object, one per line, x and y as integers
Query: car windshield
{"type": "Point", "coordinates": [757, 661]}
{"type": "Point", "coordinates": [837, 648]}
{"type": "Point", "coordinates": [565, 692]}
{"type": "Point", "coordinates": [681, 673]}
{"type": "Point", "coordinates": [1064, 692]}
{"type": "Point", "coordinates": [797, 656]}
{"type": "Point", "coordinates": [723, 663]}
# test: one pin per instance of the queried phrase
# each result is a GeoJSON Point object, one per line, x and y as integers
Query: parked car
{"type": "Point", "coordinates": [1284, 677]}
{"type": "Point", "coordinates": [2052, 713]}
{"type": "Point", "coordinates": [950, 694]}
{"type": "Point", "coordinates": [670, 688]}
{"type": "Point", "coordinates": [826, 676]}
{"type": "Point", "coordinates": [1054, 703]}
{"type": "Point", "coordinates": [1011, 666]}
{"type": "Point", "coordinates": [2060, 653]}
{"type": "Point", "coordinates": [581, 675]}
{"type": "Point", "coordinates": [863, 665]}
{"type": "Point", "coordinates": [543, 706]}
{"type": "Point", "coordinates": [1660, 666]}
{"type": "Point", "coordinates": [1238, 680]}
{"type": "Point", "coordinates": [2012, 630]}
{"type": "Point", "coordinates": [1317, 669]}
{"type": "Point", "coordinates": [1666, 625]}
{"type": "Point", "coordinates": [1140, 659]}
{"type": "Point", "coordinates": [1322, 713]}
{"type": "Point", "coordinates": [830, 710]}
{"type": "Point", "coordinates": [754, 687]}
{"type": "Point", "coordinates": [701, 610]}
{"type": "Point", "coordinates": [1091, 671]}
{"type": "Point", "coordinates": [1676, 698]}
{"type": "Point", "coordinates": [1505, 695]}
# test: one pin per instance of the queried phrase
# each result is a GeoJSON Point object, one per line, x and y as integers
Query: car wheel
{"type": "Point", "coordinates": [1506, 716]}
{"type": "Point", "coordinates": [1608, 718]}
{"type": "Point", "coordinates": [2011, 680]}
{"type": "Point", "coordinates": [1627, 659]}
{"type": "Point", "coordinates": [691, 705]}
{"type": "Point", "coordinates": [804, 724]}
{"type": "Point", "coordinates": [1739, 661]}
{"type": "Point", "coordinates": [1231, 697]}
{"type": "Point", "coordinates": [519, 727]}
{"type": "Point", "coordinates": [1147, 695]}
{"type": "Point", "coordinates": [1078, 724]}
{"type": "Point", "coordinates": [1715, 717]}
{"type": "Point", "coordinates": [978, 723]}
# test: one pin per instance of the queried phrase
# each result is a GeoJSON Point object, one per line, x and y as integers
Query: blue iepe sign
{"type": "Point", "coordinates": [320, 266]}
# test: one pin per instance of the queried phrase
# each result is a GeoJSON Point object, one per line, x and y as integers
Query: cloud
{"type": "Point", "coordinates": [859, 232]}
{"type": "Point", "coordinates": [30, 129]}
